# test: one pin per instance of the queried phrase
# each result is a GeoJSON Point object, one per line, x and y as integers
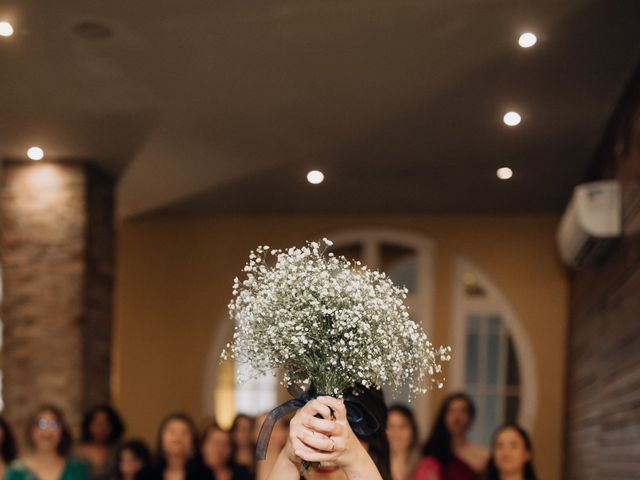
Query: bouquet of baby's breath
{"type": "Point", "coordinates": [329, 322]}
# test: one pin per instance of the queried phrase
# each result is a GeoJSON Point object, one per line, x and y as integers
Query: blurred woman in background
{"type": "Point", "coordinates": [49, 441]}
{"type": "Point", "coordinates": [402, 433]}
{"type": "Point", "coordinates": [448, 454]}
{"type": "Point", "coordinates": [177, 455]}
{"type": "Point", "coordinates": [132, 460]}
{"type": "Point", "coordinates": [217, 452]}
{"type": "Point", "coordinates": [102, 430]}
{"type": "Point", "coordinates": [511, 455]}
{"type": "Point", "coordinates": [8, 446]}
{"type": "Point", "coordinates": [244, 449]}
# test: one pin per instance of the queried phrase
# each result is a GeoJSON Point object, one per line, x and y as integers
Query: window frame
{"type": "Point", "coordinates": [495, 303]}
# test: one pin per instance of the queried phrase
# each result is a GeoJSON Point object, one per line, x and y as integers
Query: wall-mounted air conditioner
{"type": "Point", "coordinates": [590, 223]}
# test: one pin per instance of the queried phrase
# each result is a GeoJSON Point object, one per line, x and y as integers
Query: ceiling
{"type": "Point", "coordinates": [221, 107]}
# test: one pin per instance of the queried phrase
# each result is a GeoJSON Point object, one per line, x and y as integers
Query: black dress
{"type": "Point", "coordinates": [238, 472]}
{"type": "Point", "coordinates": [194, 470]}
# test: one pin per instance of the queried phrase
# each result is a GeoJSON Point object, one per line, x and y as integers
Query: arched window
{"type": "Point", "coordinates": [493, 361]}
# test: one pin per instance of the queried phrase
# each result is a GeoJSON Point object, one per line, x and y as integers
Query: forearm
{"type": "Point", "coordinates": [283, 468]}
{"type": "Point", "coordinates": [362, 468]}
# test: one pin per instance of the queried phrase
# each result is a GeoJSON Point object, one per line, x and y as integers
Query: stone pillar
{"type": "Point", "coordinates": [56, 254]}
{"type": "Point", "coordinates": [98, 293]}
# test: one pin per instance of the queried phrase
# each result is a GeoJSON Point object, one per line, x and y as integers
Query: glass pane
{"type": "Point", "coordinates": [472, 352]}
{"type": "Point", "coordinates": [350, 252]}
{"type": "Point", "coordinates": [405, 273]}
{"type": "Point", "coordinates": [493, 359]}
{"type": "Point", "coordinates": [495, 323]}
{"type": "Point", "coordinates": [491, 420]}
{"type": "Point", "coordinates": [255, 396]}
{"type": "Point", "coordinates": [473, 323]}
{"type": "Point", "coordinates": [513, 368]}
{"type": "Point", "coordinates": [401, 264]}
{"type": "Point", "coordinates": [512, 408]}
{"type": "Point", "coordinates": [476, 432]}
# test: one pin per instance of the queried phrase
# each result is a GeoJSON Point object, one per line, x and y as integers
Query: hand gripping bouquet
{"type": "Point", "coordinates": [331, 326]}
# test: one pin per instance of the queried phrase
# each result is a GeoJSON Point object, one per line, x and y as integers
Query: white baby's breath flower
{"type": "Point", "coordinates": [329, 321]}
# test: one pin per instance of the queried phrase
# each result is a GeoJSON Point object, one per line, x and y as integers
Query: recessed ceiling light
{"type": "Point", "coordinates": [527, 40]}
{"type": "Point", "coordinates": [35, 153]}
{"type": "Point", "coordinates": [6, 30]}
{"type": "Point", "coordinates": [504, 173]}
{"type": "Point", "coordinates": [315, 177]}
{"type": "Point", "coordinates": [512, 119]}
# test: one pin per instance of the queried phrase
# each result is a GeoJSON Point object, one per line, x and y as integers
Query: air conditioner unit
{"type": "Point", "coordinates": [590, 223]}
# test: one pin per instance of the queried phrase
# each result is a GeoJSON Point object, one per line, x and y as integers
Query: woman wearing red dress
{"type": "Point", "coordinates": [448, 454]}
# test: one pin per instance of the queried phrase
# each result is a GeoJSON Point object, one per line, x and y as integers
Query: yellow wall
{"type": "Point", "coordinates": [174, 279]}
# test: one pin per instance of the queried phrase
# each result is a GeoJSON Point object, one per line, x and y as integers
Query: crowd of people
{"type": "Point", "coordinates": [448, 454]}
{"type": "Point", "coordinates": [185, 452]}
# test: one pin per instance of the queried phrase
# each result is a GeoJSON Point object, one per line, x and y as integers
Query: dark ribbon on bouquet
{"type": "Point", "coordinates": [361, 420]}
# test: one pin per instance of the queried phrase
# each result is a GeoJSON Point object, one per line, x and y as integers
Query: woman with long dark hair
{"type": "Point", "coordinates": [402, 433]}
{"type": "Point", "coordinates": [8, 446]}
{"type": "Point", "coordinates": [448, 454]}
{"type": "Point", "coordinates": [102, 430]}
{"type": "Point", "coordinates": [217, 454]}
{"type": "Point", "coordinates": [244, 449]}
{"type": "Point", "coordinates": [178, 454]}
{"type": "Point", "coordinates": [330, 442]}
{"type": "Point", "coordinates": [49, 441]}
{"type": "Point", "coordinates": [511, 455]}
{"type": "Point", "coordinates": [132, 460]}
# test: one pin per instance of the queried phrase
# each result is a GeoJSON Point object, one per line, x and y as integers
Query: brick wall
{"type": "Point", "coordinates": [603, 404]}
{"type": "Point", "coordinates": [56, 257]}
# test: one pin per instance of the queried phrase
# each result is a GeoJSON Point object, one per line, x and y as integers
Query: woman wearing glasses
{"type": "Point", "coordinates": [49, 442]}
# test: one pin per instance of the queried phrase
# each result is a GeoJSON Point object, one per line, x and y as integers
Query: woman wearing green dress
{"type": "Point", "coordinates": [49, 442]}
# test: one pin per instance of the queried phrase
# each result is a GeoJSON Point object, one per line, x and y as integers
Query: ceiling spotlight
{"type": "Point", "coordinates": [504, 173]}
{"type": "Point", "coordinates": [527, 40]}
{"type": "Point", "coordinates": [315, 177]}
{"type": "Point", "coordinates": [6, 30]}
{"type": "Point", "coordinates": [512, 119]}
{"type": "Point", "coordinates": [35, 153]}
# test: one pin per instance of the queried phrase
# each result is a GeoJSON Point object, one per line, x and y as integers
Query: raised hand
{"type": "Point", "coordinates": [328, 440]}
{"type": "Point", "coordinates": [320, 433]}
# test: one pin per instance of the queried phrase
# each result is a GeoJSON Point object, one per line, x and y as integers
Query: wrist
{"type": "Point", "coordinates": [353, 463]}
{"type": "Point", "coordinates": [284, 466]}
{"type": "Point", "coordinates": [289, 453]}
